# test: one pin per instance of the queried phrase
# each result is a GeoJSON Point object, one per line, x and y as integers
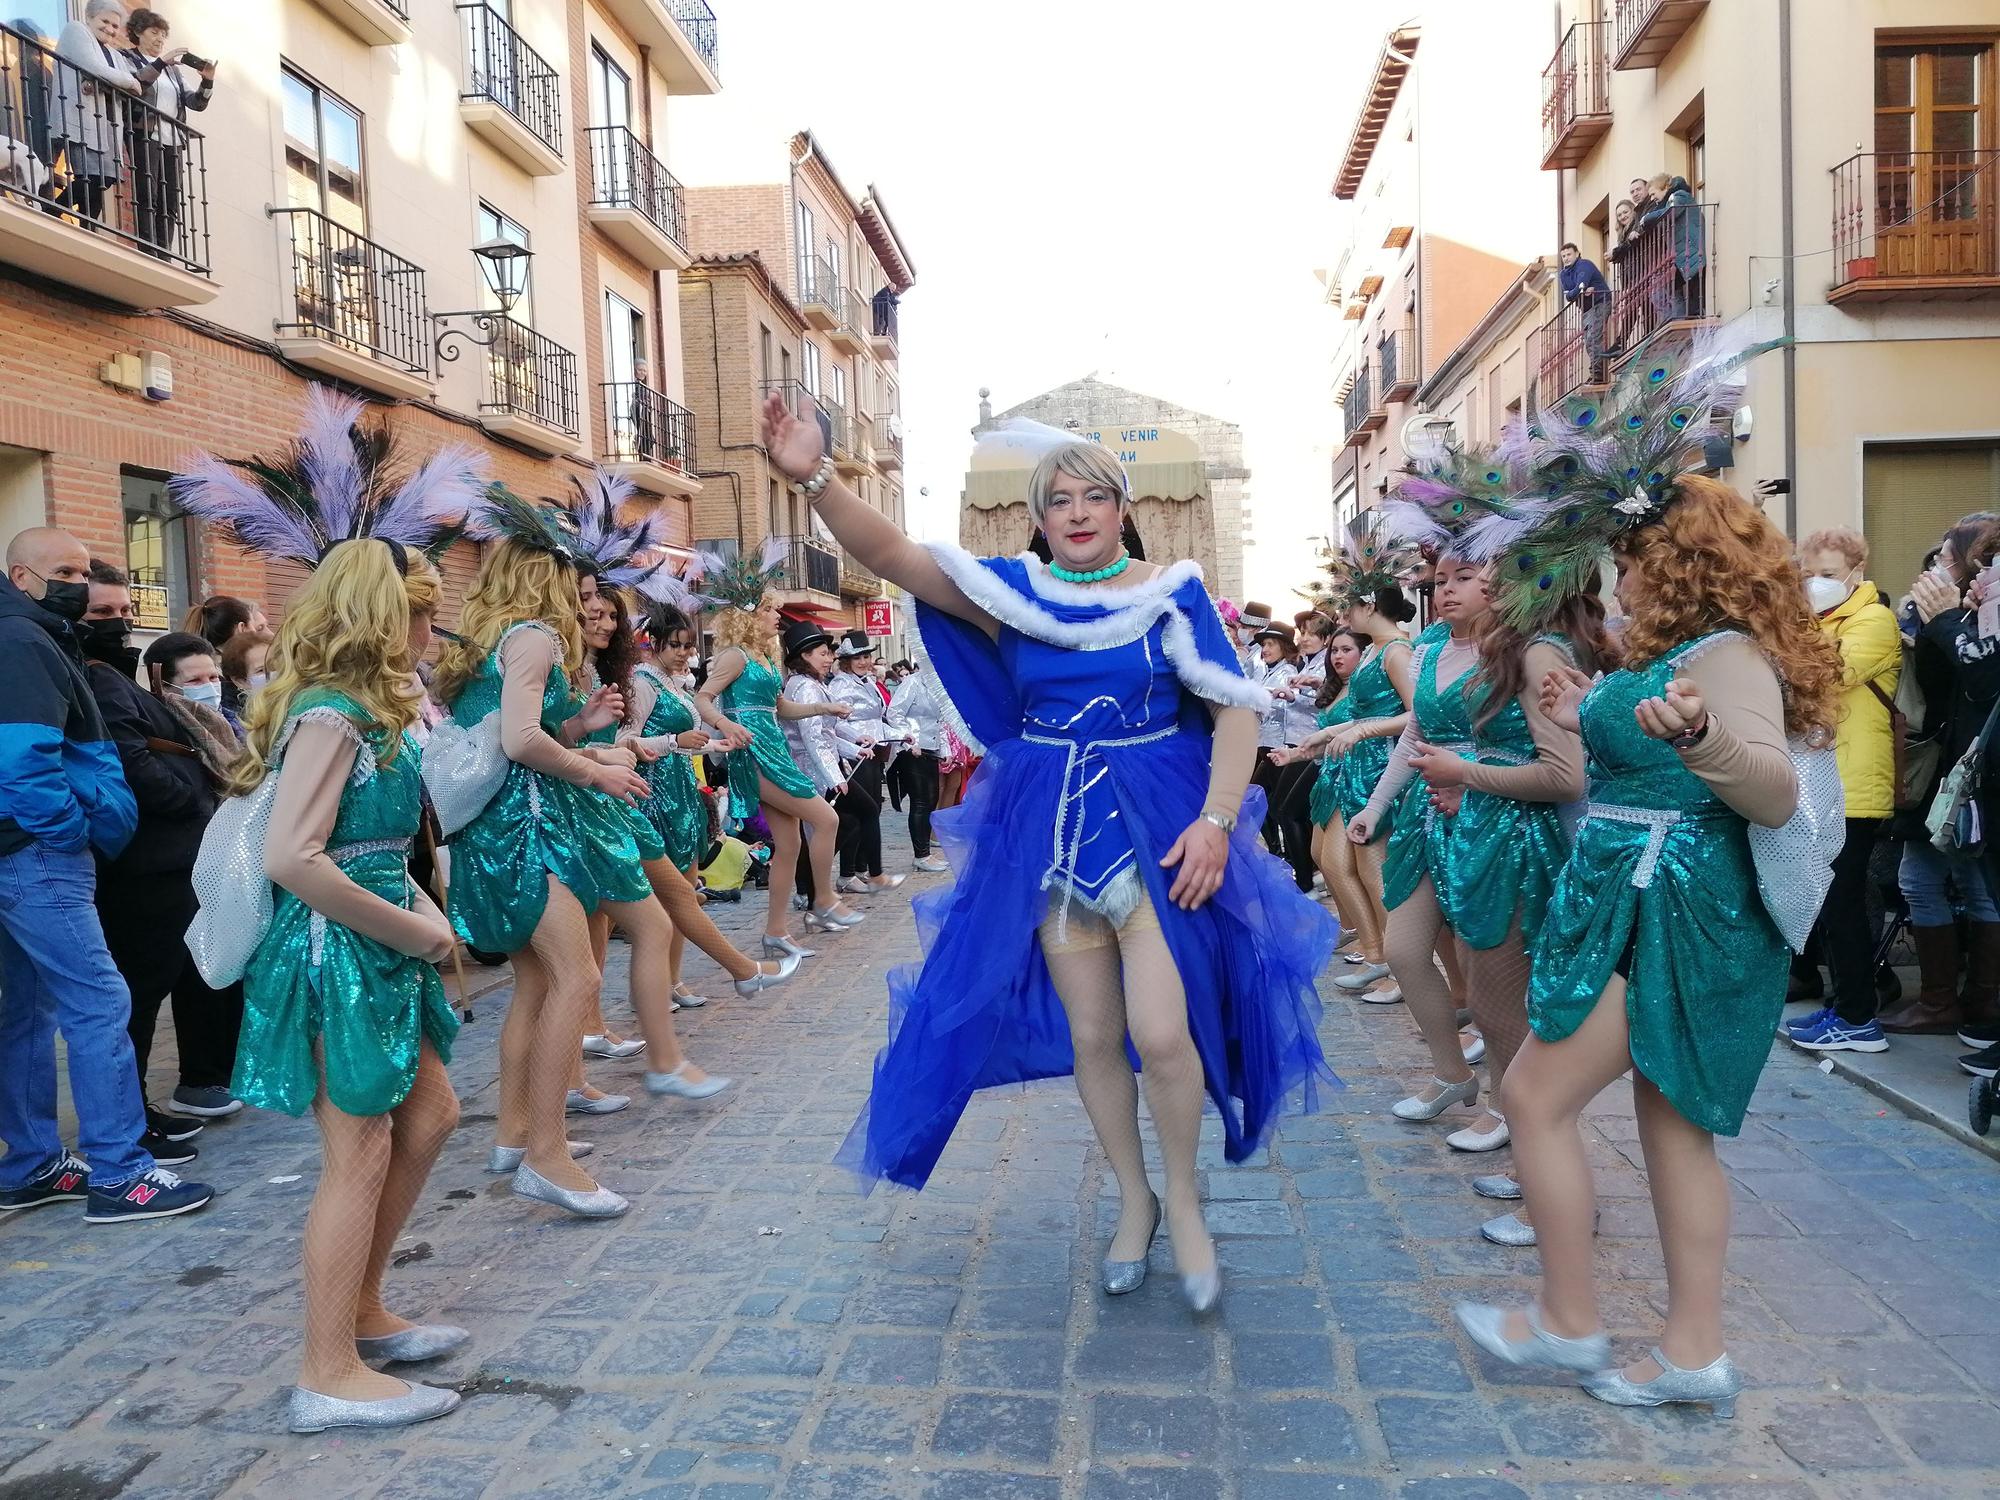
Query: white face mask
{"type": "Point", "coordinates": [258, 679]}
{"type": "Point", "coordinates": [209, 693]}
{"type": "Point", "coordinates": [1824, 594]}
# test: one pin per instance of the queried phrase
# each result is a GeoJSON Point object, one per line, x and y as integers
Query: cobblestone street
{"type": "Point", "coordinates": [754, 1329]}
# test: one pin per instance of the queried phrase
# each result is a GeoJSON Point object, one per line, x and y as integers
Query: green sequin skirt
{"type": "Point", "coordinates": [1419, 846]}
{"type": "Point", "coordinates": [1503, 858]}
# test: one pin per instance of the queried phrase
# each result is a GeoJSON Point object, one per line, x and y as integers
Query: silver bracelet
{"type": "Point", "coordinates": [822, 477]}
{"type": "Point", "coordinates": [1225, 821]}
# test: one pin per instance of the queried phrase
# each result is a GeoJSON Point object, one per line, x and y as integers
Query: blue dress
{"type": "Point", "coordinates": [1092, 710]}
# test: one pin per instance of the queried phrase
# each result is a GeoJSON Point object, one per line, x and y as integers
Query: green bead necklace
{"type": "Point", "coordinates": [1095, 575]}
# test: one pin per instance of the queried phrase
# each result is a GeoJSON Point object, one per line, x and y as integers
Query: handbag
{"type": "Point", "coordinates": [464, 769]}
{"type": "Point", "coordinates": [1954, 822]}
{"type": "Point", "coordinates": [1795, 860]}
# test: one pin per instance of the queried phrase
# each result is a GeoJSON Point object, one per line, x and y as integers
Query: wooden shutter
{"type": "Point", "coordinates": [1912, 493]}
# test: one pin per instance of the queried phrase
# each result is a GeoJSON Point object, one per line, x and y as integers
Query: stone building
{"type": "Point", "coordinates": [1186, 468]}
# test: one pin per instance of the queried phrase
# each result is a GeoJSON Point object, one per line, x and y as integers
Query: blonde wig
{"type": "Point", "coordinates": [516, 582]}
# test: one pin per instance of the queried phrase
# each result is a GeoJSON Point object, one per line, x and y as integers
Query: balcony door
{"type": "Point", "coordinates": [334, 274]}
{"type": "Point", "coordinates": [610, 91]}
{"type": "Point", "coordinates": [626, 407]}
{"type": "Point", "coordinates": [1934, 194]}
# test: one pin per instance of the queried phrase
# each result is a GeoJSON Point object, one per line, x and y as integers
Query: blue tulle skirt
{"type": "Point", "coordinates": [979, 1011]}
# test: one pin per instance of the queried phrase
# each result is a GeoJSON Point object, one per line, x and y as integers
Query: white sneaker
{"type": "Point", "coordinates": [930, 864]}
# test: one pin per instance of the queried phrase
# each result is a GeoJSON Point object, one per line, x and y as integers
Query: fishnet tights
{"type": "Point", "coordinates": [692, 924]}
{"type": "Point", "coordinates": [554, 980]}
{"type": "Point", "coordinates": [1500, 1006]}
{"type": "Point", "coordinates": [1413, 941]}
{"type": "Point", "coordinates": [787, 815]}
{"type": "Point", "coordinates": [1118, 982]}
{"type": "Point", "coordinates": [373, 1168]}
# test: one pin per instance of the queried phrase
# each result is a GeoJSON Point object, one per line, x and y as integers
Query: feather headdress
{"type": "Point", "coordinates": [1370, 558]}
{"type": "Point", "coordinates": [340, 479]}
{"type": "Point", "coordinates": [741, 582]}
{"type": "Point", "coordinates": [1470, 502]}
{"type": "Point", "coordinates": [1613, 463]}
{"type": "Point", "coordinates": [544, 525]}
{"type": "Point", "coordinates": [627, 553]}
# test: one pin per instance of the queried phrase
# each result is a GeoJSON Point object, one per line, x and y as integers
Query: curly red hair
{"type": "Point", "coordinates": [1715, 561]}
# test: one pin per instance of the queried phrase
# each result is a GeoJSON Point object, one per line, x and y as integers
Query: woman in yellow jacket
{"type": "Point", "coordinates": [1851, 611]}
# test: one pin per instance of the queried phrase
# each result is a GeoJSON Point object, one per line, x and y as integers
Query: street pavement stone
{"type": "Point", "coordinates": [755, 1329]}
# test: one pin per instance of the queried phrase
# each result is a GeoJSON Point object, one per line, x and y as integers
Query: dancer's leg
{"type": "Point", "coordinates": [340, 1230]}
{"type": "Point", "coordinates": [1083, 964]}
{"type": "Point", "coordinates": [561, 945]}
{"type": "Point", "coordinates": [1448, 954]}
{"type": "Point", "coordinates": [1547, 1089]}
{"type": "Point", "coordinates": [820, 826]}
{"type": "Point", "coordinates": [1368, 865]}
{"type": "Point", "coordinates": [600, 946]}
{"type": "Point", "coordinates": [678, 950]}
{"type": "Point", "coordinates": [1339, 864]}
{"type": "Point", "coordinates": [1691, 1205]}
{"type": "Point", "coordinates": [676, 893]}
{"type": "Point", "coordinates": [647, 929]}
{"type": "Point", "coordinates": [1499, 994]}
{"type": "Point", "coordinates": [419, 1127]}
{"type": "Point", "coordinates": [517, 1048]}
{"type": "Point", "coordinates": [784, 858]}
{"type": "Point", "coordinates": [1413, 936]}
{"type": "Point", "coordinates": [1156, 1013]}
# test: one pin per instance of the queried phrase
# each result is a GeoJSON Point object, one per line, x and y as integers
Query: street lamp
{"type": "Point", "coordinates": [503, 265]}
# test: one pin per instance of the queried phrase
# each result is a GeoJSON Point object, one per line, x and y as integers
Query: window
{"type": "Point", "coordinates": [1934, 197]}
{"type": "Point", "coordinates": [610, 90]}
{"type": "Point", "coordinates": [802, 233]}
{"type": "Point", "coordinates": [322, 152]}
{"type": "Point", "coordinates": [494, 225]}
{"type": "Point", "coordinates": [156, 550]}
{"type": "Point", "coordinates": [811, 353]}
{"type": "Point", "coordinates": [624, 340]}
{"type": "Point", "coordinates": [771, 506]}
{"type": "Point", "coordinates": [833, 264]}
{"type": "Point", "coordinates": [763, 355]}
{"type": "Point", "coordinates": [785, 366]}
{"type": "Point", "coordinates": [839, 384]}
{"type": "Point", "coordinates": [40, 18]}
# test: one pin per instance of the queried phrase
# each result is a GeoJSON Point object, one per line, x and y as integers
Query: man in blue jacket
{"type": "Point", "coordinates": [63, 793]}
{"type": "Point", "coordinates": [1583, 284]}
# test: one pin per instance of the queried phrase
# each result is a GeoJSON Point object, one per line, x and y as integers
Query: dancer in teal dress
{"type": "Point", "coordinates": [742, 702]}
{"type": "Point", "coordinates": [1657, 954]}
{"type": "Point", "coordinates": [344, 1013]}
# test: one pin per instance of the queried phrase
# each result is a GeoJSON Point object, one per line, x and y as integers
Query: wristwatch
{"type": "Point", "coordinates": [1225, 821]}
{"type": "Point", "coordinates": [1693, 736]}
{"type": "Point", "coordinates": [821, 478]}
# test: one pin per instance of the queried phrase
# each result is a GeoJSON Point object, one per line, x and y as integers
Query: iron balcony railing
{"type": "Point", "coordinates": [839, 431]}
{"type": "Point", "coordinates": [94, 155]}
{"type": "Point", "coordinates": [1576, 84]}
{"type": "Point", "coordinates": [697, 24]}
{"type": "Point", "coordinates": [1662, 273]}
{"type": "Point", "coordinates": [800, 401]}
{"type": "Point", "coordinates": [501, 67]}
{"type": "Point", "coordinates": [643, 426]}
{"type": "Point", "coordinates": [625, 174]}
{"type": "Point", "coordinates": [1387, 353]}
{"type": "Point", "coordinates": [886, 311]}
{"type": "Point", "coordinates": [889, 437]}
{"type": "Point", "coordinates": [858, 316]}
{"type": "Point", "coordinates": [1560, 357]}
{"type": "Point", "coordinates": [856, 577]}
{"type": "Point", "coordinates": [529, 375]}
{"type": "Point", "coordinates": [1358, 402]}
{"type": "Point", "coordinates": [813, 565]}
{"type": "Point", "coordinates": [400, 7]}
{"type": "Point", "coordinates": [1916, 214]}
{"type": "Point", "coordinates": [348, 289]}
{"type": "Point", "coordinates": [819, 282]}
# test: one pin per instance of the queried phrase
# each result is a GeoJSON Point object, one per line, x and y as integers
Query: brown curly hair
{"type": "Point", "coordinates": [1713, 562]}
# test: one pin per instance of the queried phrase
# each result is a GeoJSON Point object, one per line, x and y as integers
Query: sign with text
{"type": "Point", "coordinates": [880, 617]}
{"type": "Point", "coordinates": [149, 606]}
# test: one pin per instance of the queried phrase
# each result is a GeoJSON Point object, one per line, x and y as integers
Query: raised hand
{"type": "Point", "coordinates": [604, 706]}
{"type": "Point", "coordinates": [1678, 711]}
{"type": "Point", "coordinates": [1562, 695]}
{"type": "Point", "coordinates": [794, 443]}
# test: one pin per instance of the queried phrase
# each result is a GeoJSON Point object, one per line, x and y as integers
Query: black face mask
{"type": "Point", "coordinates": [65, 598]}
{"type": "Point", "coordinates": [105, 640]}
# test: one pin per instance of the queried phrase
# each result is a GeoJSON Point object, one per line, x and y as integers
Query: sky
{"type": "Point", "coordinates": [1138, 191]}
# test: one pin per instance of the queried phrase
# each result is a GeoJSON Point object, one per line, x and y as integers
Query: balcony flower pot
{"type": "Point", "coordinates": [1860, 268]}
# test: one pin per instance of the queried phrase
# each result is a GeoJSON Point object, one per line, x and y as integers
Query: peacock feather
{"type": "Point", "coordinates": [742, 581]}
{"type": "Point", "coordinates": [1369, 558]}
{"type": "Point", "coordinates": [542, 524]}
{"type": "Point", "coordinates": [1469, 502]}
{"type": "Point", "coordinates": [340, 479]}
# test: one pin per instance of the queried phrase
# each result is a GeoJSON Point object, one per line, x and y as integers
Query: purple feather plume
{"type": "Point", "coordinates": [327, 456]}
{"type": "Point", "coordinates": [226, 496]}
{"type": "Point", "coordinates": [439, 494]}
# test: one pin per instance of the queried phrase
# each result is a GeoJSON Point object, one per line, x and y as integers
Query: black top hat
{"type": "Point", "coordinates": [802, 635]}
{"type": "Point", "coordinates": [1281, 633]}
{"type": "Point", "coordinates": [855, 643]}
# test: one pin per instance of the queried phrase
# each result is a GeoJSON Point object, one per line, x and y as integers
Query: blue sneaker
{"type": "Point", "coordinates": [1805, 1025]}
{"type": "Point", "coordinates": [1831, 1034]}
{"type": "Point", "coordinates": [157, 1194]}
{"type": "Point", "coordinates": [65, 1181]}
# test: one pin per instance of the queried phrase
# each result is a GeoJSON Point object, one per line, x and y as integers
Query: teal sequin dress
{"type": "Point", "coordinates": [637, 825]}
{"type": "Point", "coordinates": [1326, 787]}
{"type": "Point", "coordinates": [1372, 695]}
{"type": "Point", "coordinates": [676, 807]}
{"type": "Point", "coordinates": [1661, 887]}
{"type": "Point", "coordinates": [752, 701]}
{"type": "Point", "coordinates": [1419, 835]}
{"type": "Point", "coordinates": [534, 827]}
{"type": "Point", "coordinates": [312, 980]}
{"type": "Point", "coordinates": [1504, 854]}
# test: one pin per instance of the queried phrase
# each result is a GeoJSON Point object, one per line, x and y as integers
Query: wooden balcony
{"type": "Point", "coordinates": [1916, 226]}
{"type": "Point", "coordinates": [1576, 96]}
{"type": "Point", "coordinates": [1645, 31]}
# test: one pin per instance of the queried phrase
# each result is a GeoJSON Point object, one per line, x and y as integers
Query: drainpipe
{"type": "Point", "coordinates": [1785, 203]}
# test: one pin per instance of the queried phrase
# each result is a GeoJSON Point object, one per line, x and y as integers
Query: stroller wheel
{"type": "Point", "coordinates": [1982, 1102]}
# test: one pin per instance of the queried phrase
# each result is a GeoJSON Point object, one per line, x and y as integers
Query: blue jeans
{"type": "Point", "coordinates": [56, 974]}
{"type": "Point", "coordinates": [1923, 875]}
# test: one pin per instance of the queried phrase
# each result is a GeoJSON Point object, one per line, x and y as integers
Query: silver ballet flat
{"type": "Point", "coordinates": [1362, 977]}
{"type": "Point", "coordinates": [1122, 1276]}
{"type": "Point", "coordinates": [787, 967]}
{"type": "Point", "coordinates": [784, 947]}
{"type": "Point", "coordinates": [1716, 1386]}
{"type": "Point", "coordinates": [1486, 1326]}
{"type": "Point", "coordinates": [602, 1046]}
{"type": "Point", "coordinates": [1417, 1107]}
{"type": "Point", "coordinates": [831, 921]}
{"type": "Point", "coordinates": [1203, 1289]}
{"type": "Point", "coordinates": [1470, 1139]}
{"type": "Point", "coordinates": [689, 1001]}
{"type": "Point", "coordinates": [414, 1345]}
{"type": "Point", "coordinates": [309, 1411]}
{"type": "Point", "coordinates": [506, 1158]}
{"type": "Point", "coordinates": [1391, 996]}
{"type": "Point", "coordinates": [580, 1103]}
{"type": "Point", "coordinates": [598, 1203]}
{"type": "Point", "coordinates": [1476, 1052]}
{"type": "Point", "coordinates": [679, 1088]}
{"type": "Point", "coordinates": [1509, 1230]}
{"type": "Point", "coordinates": [1498, 1186]}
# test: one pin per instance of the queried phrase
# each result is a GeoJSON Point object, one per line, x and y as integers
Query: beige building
{"type": "Point", "coordinates": [1186, 468]}
{"type": "Point", "coordinates": [463, 211]}
{"type": "Point", "coordinates": [1481, 385]}
{"type": "Point", "coordinates": [1446, 207]}
{"type": "Point", "coordinates": [797, 290]}
{"type": "Point", "coordinates": [1879, 259]}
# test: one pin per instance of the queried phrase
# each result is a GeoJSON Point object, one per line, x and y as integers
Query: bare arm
{"type": "Point", "coordinates": [796, 447]}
